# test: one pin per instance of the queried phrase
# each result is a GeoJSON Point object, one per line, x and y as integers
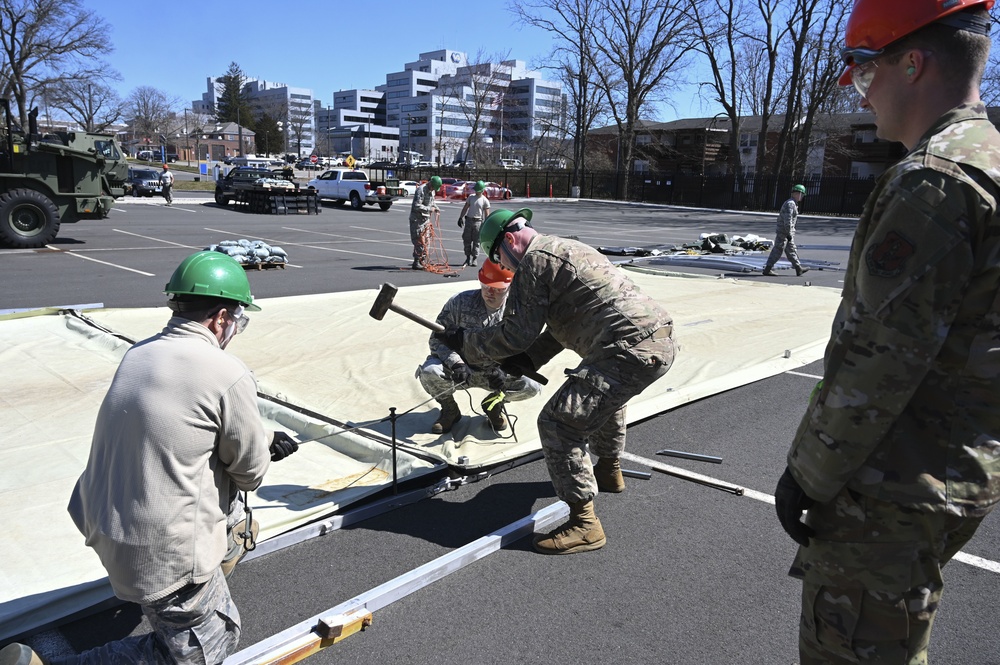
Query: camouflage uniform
{"type": "Point", "coordinates": [784, 236]}
{"type": "Point", "coordinates": [468, 311]}
{"type": "Point", "coordinates": [589, 306]}
{"type": "Point", "coordinates": [899, 446]}
{"type": "Point", "coordinates": [420, 217]}
{"type": "Point", "coordinates": [196, 624]}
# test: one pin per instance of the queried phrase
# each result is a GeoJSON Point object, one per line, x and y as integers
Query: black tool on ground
{"type": "Point", "coordinates": [384, 302]}
{"type": "Point", "coordinates": [694, 456]}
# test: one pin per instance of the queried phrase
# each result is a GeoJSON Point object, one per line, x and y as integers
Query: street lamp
{"type": "Point", "coordinates": [409, 130]}
{"type": "Point", "coordinates": [187, 139]}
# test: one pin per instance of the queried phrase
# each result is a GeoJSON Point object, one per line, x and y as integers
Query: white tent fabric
{"type": "Point", "coordinates": [326, 354]}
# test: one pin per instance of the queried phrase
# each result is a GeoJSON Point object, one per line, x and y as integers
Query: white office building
{"type": "Point", "coordinates": [440, 108]}
{"type": "Point", "coordinates": [293, 106]}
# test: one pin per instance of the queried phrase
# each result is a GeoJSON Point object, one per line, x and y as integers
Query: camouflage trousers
{"type": "Point", "coordinates": [418, 229]}
{"type": "Point", "coordinates": [589, 410]}
{"type": "Point", "coordinates": [470, 237]}
{"type": "Point", "coordinates": [783, 242]}
{"type": "Point", "coordinates": [871, 580]}
{"type": "Point", "coordinates": [436, 381]}
{"type": "Point", "coordinates": [198, 624]}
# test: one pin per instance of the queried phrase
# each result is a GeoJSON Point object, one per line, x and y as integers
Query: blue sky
{"type": "Point", "coordinates": [323, 45]}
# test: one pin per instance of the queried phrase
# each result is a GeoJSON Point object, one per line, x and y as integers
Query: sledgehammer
{"type": "Point", "coordinates": [384, 302]}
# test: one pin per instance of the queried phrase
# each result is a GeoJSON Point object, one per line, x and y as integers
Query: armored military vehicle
{"type": "Point", "coordinates": [55, 179]}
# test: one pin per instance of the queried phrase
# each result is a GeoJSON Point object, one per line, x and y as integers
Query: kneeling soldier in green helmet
{"type": "Point", "coordinates": [566, 294]}
{"type": "Point", "coordinates": [177, 436]}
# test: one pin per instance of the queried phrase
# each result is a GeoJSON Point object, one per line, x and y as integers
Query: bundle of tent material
{"type": "Point", "coordinates": [250, 252]}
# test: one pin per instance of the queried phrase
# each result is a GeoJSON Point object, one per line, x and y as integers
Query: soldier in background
{"type": "Point", "coordinates": [420, 216]}
{"type": "Point", "coordinates": [167, 182]}
{"type": "Point", "coordinates": [565, 294]}
{"type": "Point", "coordinates": [896, 460]}
{"type": "Point", "coordinates": [784, 234]}
{"type": "Point", "coordinates": [445, 371]}
{"type": "Point", "coordinates": [470, 220]}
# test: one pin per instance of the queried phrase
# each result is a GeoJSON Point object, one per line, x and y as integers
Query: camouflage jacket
{"type": "Point", "coordinates": [466, 310]}
{"type": "Point", "coordinates": [588, 305]}
{"type": "Point", "coordinates": [786, 217]}
{"type": "Point", "coordinates": [423, 204]}
{"type": "Point", "coordinates": [909, 408]}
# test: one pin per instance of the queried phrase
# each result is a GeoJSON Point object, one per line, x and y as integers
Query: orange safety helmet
{"type": "Point", "coordinates": [495, 275]}
{"type": "Point", "coordinates": [874, 24]}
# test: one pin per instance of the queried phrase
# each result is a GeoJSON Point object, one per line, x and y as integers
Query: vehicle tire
{"type": "Point", "coordinates": [506, 195]}
{"type": "Point", "coordinates": [356, 202]}
{"type": "Point", "coordinates": [27, 219]}
{"type": "Point", "coordinates": [384, 207]}
{"type": "Point", "coordinates": [220, 199]}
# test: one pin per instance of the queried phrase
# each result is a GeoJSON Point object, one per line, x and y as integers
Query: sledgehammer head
{"type": "Point", "coordinates": [383, 301]}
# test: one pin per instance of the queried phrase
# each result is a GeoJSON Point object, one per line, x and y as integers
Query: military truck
{"type": "Point", "coordinates": [58, 178]}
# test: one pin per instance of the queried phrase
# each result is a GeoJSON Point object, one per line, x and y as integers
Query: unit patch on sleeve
{"type": "Point", "coordinates": [887, 258]}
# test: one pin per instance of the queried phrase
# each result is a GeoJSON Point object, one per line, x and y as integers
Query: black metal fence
{"type": "Point", "coordinates": [826, 196]}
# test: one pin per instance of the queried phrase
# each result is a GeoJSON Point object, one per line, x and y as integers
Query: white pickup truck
{"type": "Point", "coordinates": [340, 185]}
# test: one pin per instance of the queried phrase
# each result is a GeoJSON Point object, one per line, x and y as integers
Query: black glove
{"type": "Point", "coordinates": [452, 337]}
{"type": "Point", "coordinates": [282, 446]}
{"type": "Point", "coordinates": [461, 222]}
{"type": "Point", "coordinates": [789, 501]}
{"type": "Point", "coordinates": [460, 373]}
{"type": "Point", "coordinates": [518, 365]}
{"type": "Point", "coordinates": [495, 378]}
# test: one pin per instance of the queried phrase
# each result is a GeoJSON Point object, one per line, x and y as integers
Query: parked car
{"type": "Point", "coordinates": [451, 188]}
{"type": "Point", "coordinates": [468, 165]}
{"type": "Point", "coordinates": [425, 165]}
{"type": "Point", "coordinates": [514, 164]}
{"type": "Point", "coordinates": [144, 182]}
{"type": "Point", "coordinates": [306, 165]}
{"type": "Point", "coordinates": [410, 186]}
{"type": "Point", "coordinates": [383, 165]}
{"type": "Point", "coordinates": [495, 190]}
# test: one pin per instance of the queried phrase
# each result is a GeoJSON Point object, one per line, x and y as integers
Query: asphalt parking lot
{"type": "Point", "coordinates": [690, 575]}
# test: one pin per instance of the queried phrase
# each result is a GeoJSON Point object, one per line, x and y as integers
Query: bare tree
{"type": "Point", "coordinates": [45, 41]}
{"type": "Point", "coordinates": [299, 121]}
{"type": "Point", "coordinates": [572, 57]}
{"type": "Point", "coordinates": [94, 105]}
{"type": "Point", "coordinates": [636, 46]}
{"type": "Point", "coordinates": [990, 88]}
{"type": "Point", "coordinates": [150, 111]}
{"type": "Point", "coordinates": [822, 68]}
{"type": "Point", "coordinates": [479, 89]}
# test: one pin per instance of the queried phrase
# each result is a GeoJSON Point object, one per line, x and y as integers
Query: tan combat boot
{"type": "Point", "coordinates": [582, 533]}
{"type": "Point", "coordinates": [19, 654]}
{"type": "Point", "coordinates": [493, 408]}
{"type": "Point", "coordinates": [448, 417]}
{"type": "Point", "coordinates": [608, 473]}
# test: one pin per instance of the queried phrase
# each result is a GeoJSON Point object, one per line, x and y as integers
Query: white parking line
{"type": "Point", "coordinates": [166, 242]}
{"type": "Point", "coordinates": [87, 258]}
{"type": "Point", "coordinates": [808, 376]}
{"type": "Point", "coordinates": [970, 559]}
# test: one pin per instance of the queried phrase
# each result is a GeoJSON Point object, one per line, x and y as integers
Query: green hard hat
{"type": "Point", "coordinates": [435, 182]}
{"type": "Point", "coordinates": [212, 274]}
{"type": "Point", "coordinates": [480, 185]}
{"type": "Point", "coordinates": [799, 188]}
{"type": "Point", "coordinates": [493, 228]}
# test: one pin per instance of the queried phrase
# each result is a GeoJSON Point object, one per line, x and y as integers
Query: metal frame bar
{"type": "Point", "coordinates": [305, 637]}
